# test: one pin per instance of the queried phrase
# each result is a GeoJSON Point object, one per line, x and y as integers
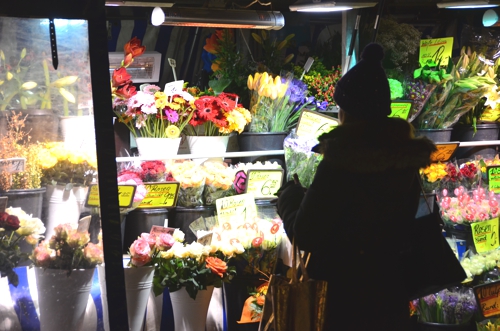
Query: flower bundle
{"type": "Point", "coordinates": [62, 165]}
{"type": "Point", "coordinates": [129, 177]}
{"type": "Point", "coordinates": [193, 266]}
{"type": "Point", "coordinates": [192, 182]}
{"type": "Point", "coordinates": [477, 264]}
{"type": "Point", "coordinates": [276, 103]}
{"type": "Point", "coordinates": [447, 307]}
{"type": "Point", "coordinates": [68, 249]}
{"type": "Point", "coordinates": [16, 226]}
{"type": "Point", "coordinates": [218, 115]}
{"type": "Point", "coordinates": [152, 171]}
{"type": "Point", "coordinates": [432, 175]}
{"type": "Point", "coordinates": [300, 159]}
{"type": "Point", "coordinates": [419, 92]}
{"type": "Point", "coordinates": [144, 248]}
{"type": "Point", "coordinates": [467, 207]}
{"type": "Point", "coordinates": [219, 180]}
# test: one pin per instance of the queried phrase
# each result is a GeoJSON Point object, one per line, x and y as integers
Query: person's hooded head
{"type": "Point", "coordinates": [363, 91]}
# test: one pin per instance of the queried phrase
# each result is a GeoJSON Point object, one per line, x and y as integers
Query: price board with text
{"type": "Point", "coordinates": [444, 151]}
{"type": "Point", "coordinates": [125, 196]}
{"type": "Point", "coordinates": [313, 124]}
{"type": "Point", "coordinates": [264, 184]}
{"type": "Point", "coordinates": [160, 195]}
{"type": "Point", "coordinates": [488, 299]}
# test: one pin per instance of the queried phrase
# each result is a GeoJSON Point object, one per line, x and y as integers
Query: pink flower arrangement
{"type": "Point", "coordinates": [144, 247]}
{"type": "Point", "coordinates": [467, 207]}
{"type": "Point", "coordinates": [68, 249]}
{"type": "Point", "coordinates": [128, 177]}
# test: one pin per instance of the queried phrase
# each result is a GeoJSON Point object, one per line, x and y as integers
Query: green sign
{"type": "Point", "coordinates": [485, 235]}
{"type": "Point", "coordinates": [160, 195]}
{"type": "Point", "coordinates": [493, 178]}
{"type": "Point", "coordinates": [401, 109]}
{"type": "Point", "coordinates": [125, 195]}
{"type": "Point", "coordinates": [435, 50]}
{"type": "Point", "coordinates": [264, 184]}
{"type": "Point", "coordinates": [313, 124]}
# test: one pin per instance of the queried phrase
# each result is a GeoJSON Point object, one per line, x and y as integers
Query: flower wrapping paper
{"type": "Point", "coordinates": [300, 159]}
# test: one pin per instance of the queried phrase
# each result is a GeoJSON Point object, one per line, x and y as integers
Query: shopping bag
{"type": "Point", "coordinates": [295, 304]}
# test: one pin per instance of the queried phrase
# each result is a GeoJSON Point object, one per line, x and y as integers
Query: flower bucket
{"type": "Point", "coordinates": [261, 141]}
{"type": "Point", "coordinates": [190, 314]}
{"type": "Point", "coordinates": [62, 299]}
{"type": "Point", "coordinates": [29, 200]}
{"type": "Point", "coordinates": [206, 145]}
{"type": "Point", "coordinates": [138, 284]}
{"type": "Point", "coordinates": [157, 148]}
{"type": "Point", "coordinates": [436, 135]}
{"type": "Point", "coordinates": [427, 326]}
{"type": "Point", "coordinates": [63, 206]}
{"type": "Point", "coordinates": [486, 131]}
{"type": "Point", "coordinates": [78, 131]}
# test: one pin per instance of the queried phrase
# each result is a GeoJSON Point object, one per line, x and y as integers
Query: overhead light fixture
{"type": "Point", "coordinates": [157, 16]}
{"type": "Point", "coordinates": [468, 4]}
{"type": "Point", "coordinates": [222, 18]}
{"type": "Point", "coordinates": [138, 4]}
{"type": "Point", "coordinates": [491, 18]}
{"type": "Point", "coordinates": [327, 6]}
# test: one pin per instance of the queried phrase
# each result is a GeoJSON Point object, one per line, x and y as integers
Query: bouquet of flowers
{"type": "Point", "coordinates": [447, 307]}
{"type": "Point", "coordinates": [194, 266]}
{"type": "Point", "coordinates": [130, 177]}
{"type": "Point", "coordinates": [218, 115]}
{"type": "Point", "coordinates": [219, 180]}
{"type": "Point", "coordinates": [276, 103]}
{"type": "Point", "coordinates": [68, 249]}
{"type": "Point", "coordinates": [62, 165]}
{"type": "Point", "coordinates": [16, 226]}
{"type": "Point", "coordinates": [300, 159]}
{"type": "Point", "coordinates": [145, 247]}
{"type": "Point", "coordinates": [191, 177]}
{"type": "Point", "coordinates": [478, 264]}
{"type": "Point", "coordinates": [432, 175]}
{"type": "Point", "coordinates": [464, 207]}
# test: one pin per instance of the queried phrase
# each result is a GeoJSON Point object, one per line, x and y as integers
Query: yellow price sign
{"type": "Point", "coordinates": [264, 184]}
{"type": "Point", "coordinates": [313, 124]}
{"type": "Point", "coordinates": [435, 50]}
{"type": "Point", "coordinates": [444, 151]}
{"type": "Point", "coordinates": [488, 298]}
{"type": "Point", "coordinates": [493, 178]}
{"type": "Point", "coordinates": [125, 195]}
{"type": "Point", "coordinates": [401, 109]}
{"type": "Point", "coordinates": [160, 195]}
{"type": "Point", "coordinates": [485, 235]}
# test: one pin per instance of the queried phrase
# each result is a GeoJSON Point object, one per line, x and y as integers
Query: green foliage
{"type": "Point", "coordinates": [272, 57]}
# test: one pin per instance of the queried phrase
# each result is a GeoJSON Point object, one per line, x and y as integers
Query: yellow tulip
{"type": "Point", "coordinates": [277, 81]}
{"type": "Point", "coordinates": [250, 82]}
{"type": "Point", "coordinates": [9, 75]}
{"type": "Point", "coordinates": [28, 85]}
{"type": "Point", "coordinates": [270, 80]}
{"type": "Point", "coordinates": [261, 89]}
{"type": "Point", "coordinates": [265, 76]}
{"type": "Point", "coordinates": [274, 94]}
{"type": "Point", "coordinates": [282, 90]}
{"type": "Point", "coordinates": [64, 81]}
{"type": "Point", "coordinates": [67, 95]}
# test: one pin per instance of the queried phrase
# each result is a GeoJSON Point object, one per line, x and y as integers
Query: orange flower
{"type": "Point", "coordinates": [211, 45]}
{"type": "Point", "coordinates": [217, 266]}
{"type": "Point", "coordinates": [134, 47]}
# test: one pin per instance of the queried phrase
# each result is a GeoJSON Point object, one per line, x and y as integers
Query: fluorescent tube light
{"type": "Point", "coordinates": [137, 4]}
{"type": "Point", "coordinates": [327, 6]}
{"type": "Point", "coordinates": [469, 4]}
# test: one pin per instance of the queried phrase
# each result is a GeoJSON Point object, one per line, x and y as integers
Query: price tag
{"type": "Point", "coordinates": [313, 124]}
{"type": "Point", "coordinates": [160, 195]}
{"type": "Point", "coordinates": [264, 184]}
{"type": "Point", "coordinates": [206, 239]}
{"type": "Point", "coordinates": [435, 50]}
{"type": "Point", "coordinates": [485, 235]}
{"type": "Point", "coordinates": [241, 206]}
{"type": "Point", "coordinates": [156, 230]}
{"type": "Point", "coordinates": [125, 195]}
{"type": "Point", "coordinates": [493, 178]}
{"type": "Point", "coordinates": [401, 109]}
{"type": "Point", "coordinates": [487, 297]}
{"type": "Point", "coordinates": [444, 151]}
{"type": "Point", "coordinates": [11, 165]}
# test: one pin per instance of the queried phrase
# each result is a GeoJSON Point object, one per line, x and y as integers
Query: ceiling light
{"type": "Point", "coordinates": [224, 18]}
{"type": "Point", "coordinates": [158, 16]}
{"type": "Point", "coordinates": [137, 4]}
{"type": "Point", "coordinates": [327, 6]}
{"type": "Point", "coordinates": [470, 4]}
{"type": "Point", "coordinates": [491, 18]}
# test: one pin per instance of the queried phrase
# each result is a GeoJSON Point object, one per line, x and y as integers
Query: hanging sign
{"type": "Point", "coordinates": [241, 207]}
{"type": "Point", "coordinates": [488, 300]}
{"type": "Point", "coordinates": [444, 151]}
{"type": "Point", "coordinates": [313, 124]}
{"type": "Point", "coordinates": [435, 50]}
{"type": "Point", "coordinates": [401, 109]}
{"type": "Point", "coordinates": [493, 178]}
{"type": "Point", "coordinates": [160, 195]}
{"type": "Point", "coordinates": [125, 195]}
{"type": "Point", "coordinates": [264, 184]}
{"type": "Point", "coordinates": [11, 165]}
{"type": "Point", "coordinates": [485, 235]}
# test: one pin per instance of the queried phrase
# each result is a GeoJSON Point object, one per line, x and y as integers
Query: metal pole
{"type": "Point", "coordinates": [353, 42]}
{"type": "Point", "coordinates": [377, 20]}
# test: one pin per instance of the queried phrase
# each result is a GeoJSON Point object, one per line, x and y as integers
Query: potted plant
{"type": "Point", "coordinates": [66, 262]}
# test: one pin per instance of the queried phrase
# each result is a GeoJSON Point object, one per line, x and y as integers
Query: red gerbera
{"type": "Point", "coordinates": [228, 101]}
{"type": "Point", "coordinates": [196, 120]}
{"type": "Point", "coordinates": [207, 107]}
{"type": "Point", "coordinates": [220, 121]}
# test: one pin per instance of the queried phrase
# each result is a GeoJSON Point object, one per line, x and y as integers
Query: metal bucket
{"type": "Point", "coordinates": [436, 135]}
{"type": "Point", "coordinates": [487, 131]}
{"type": "Point", "coordinates": [262, 141]}
{"type": "Point", "coordinates": [30, 200]}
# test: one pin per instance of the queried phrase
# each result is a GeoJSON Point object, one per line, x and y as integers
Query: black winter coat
{"type": "Point", "coordinates": [352, 219]}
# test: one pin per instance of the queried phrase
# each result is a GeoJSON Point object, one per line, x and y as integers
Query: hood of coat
{"type": "Point", "coordinates": [375, 146]}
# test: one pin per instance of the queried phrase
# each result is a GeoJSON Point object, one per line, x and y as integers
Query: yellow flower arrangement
{"type": "Point", "coordinates": [192, 182]}
{"type": "Point", "coordinates": [66, 166]}
{"type": "Point", "coordinates": [432, 175]}
{"type": "Point", "coordinates": [219, 180]}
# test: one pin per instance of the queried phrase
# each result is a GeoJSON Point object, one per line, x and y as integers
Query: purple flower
{"type": "Point", "coordinates": [321, 105]}
{"type": "Point", "coordinates": [297, 90]}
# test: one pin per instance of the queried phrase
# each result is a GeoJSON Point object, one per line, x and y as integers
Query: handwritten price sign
{"type": "Point", "coordinates": [125, 196]}
{"type": "Point", "coordinates": [435, 50]}
{"type": "Point", "coordinates": [493, 178]}
{"type": "Point", "coordinates": [15, 164]}
{"type": "Point", "coordinates": [444, 151]}
{"type": "Point", "coordinates": [314, 124]}
{"type": "Point", "coordinates": [485, 235]}
{"type": "Point", "coordinates": [487, 296]}
{"type": "Point", "coordinates": [160, 195]}
{"type": "Point", "coordinates": [264, 184]}
{"type": "Point", "coordinates": [401, 109]}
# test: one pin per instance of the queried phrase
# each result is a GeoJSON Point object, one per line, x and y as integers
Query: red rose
{"type": "Point", "coordinates": [121, 77]}
{"type": "Point", "coordinates": [3, 216]}
{"type": "Point", "coordinates": [11, 222]}
{"type": "Point", "coordinates": [134, 47]}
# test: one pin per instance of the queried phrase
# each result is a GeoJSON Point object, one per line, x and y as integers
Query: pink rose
{"type": "Point", "coordinates": [41, 255]}
{"type": "Point", "coordinates": [140, 252]}
{"type": "Point", "coordinates": [93, 253]}
{"type": "Point", "coordinates": [164, 241]}
{"type": "Point", "coordinates": [151, 239]}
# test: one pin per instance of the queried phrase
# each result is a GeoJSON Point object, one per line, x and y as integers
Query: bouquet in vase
{"type": "Point", "coordinates": [16, 226]}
